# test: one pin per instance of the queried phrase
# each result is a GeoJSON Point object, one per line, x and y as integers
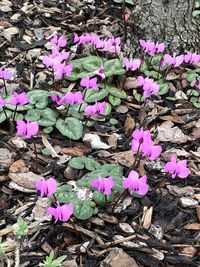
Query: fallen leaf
{"type": "Point", "coordinates": [112, 140]}
{"type": "Point", "coordinates": [129, 125]}
{"type": "Point", "coordinates": [130, 83]}
{"type": "Point", "coordinates": [168, 133]}
{"type": "Point", "coordinates": [192, 226]}
{"type": "Point", "coordinates": [147, 217]}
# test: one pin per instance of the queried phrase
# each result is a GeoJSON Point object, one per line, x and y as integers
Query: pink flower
{"type": "Point", "coordinates": [61, 69]}
{"type": "Point", "coordinates": [192, 58]}
{"type": "Point", "coordinates": [2, 102]}
{"type": "Point", "coordinates": [61, 213]}
{"type": "Point", "coordinates": [59, 42]}
{"type": "Point", "coordinates": [111, 45]}
{"type": "Point", "coordinates": [150, 87]}
{"type": "Point", "coordinates": [103, 185]}
{"type": "Point", "coordinates": [28, 129]}
{"type": "Point", "coordinates": [19, 99]}
{"type": "Point", "coordinates": [85, 38]}
{"type": "Point", "coordinates": [177, 168]}
{"type": "Point", "coordinates": [73, 98]}
{"type": "Point", "coordinates": [142, 141]}
{"type": "Point", "coordinates": [152, 48]}
{"type": "Point", "coordinates": [173, 61]}
{"type": "Point", "coordinates": [90, 84]}
{"type": "Point", "coordinates": [101, 72]}
{"type": "Point", "coordinates": [97, 107]}
{"type": "Point", "coordinates": [131, 64]}
{"type": "Point", "coordinates": [136, 184]}
{"type": "Point", "coordinates": [56, 57]}
{"type": "Point", "coordinates": [4, 74]}
{"type": "Point", "coordinates": [46, 187]}
{"type": "Point", "coordinates": [58, 99]}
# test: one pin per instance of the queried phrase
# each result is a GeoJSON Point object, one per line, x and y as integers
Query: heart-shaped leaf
{"type": "Point", "coordinates": [39, 98]}
{"type": "Point", "coordinates": [70, 127]}
{"type": "Point", "coordinates": [92, 96]}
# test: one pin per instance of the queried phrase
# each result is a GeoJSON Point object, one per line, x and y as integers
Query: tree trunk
{"type": "Point", "coordinates": [168, 21]}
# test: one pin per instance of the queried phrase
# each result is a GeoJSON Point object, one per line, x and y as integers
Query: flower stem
{"type": "Point", "coordinates": [67, 110]}
{"type": "Point", "coordinates": [15, 111]}
{"type": "Point", "coordinates": [167, 71]}
{"type": "Point", "coordinates": [136, 156]}
{"type": "Point", "coordinates": [5, 87]}
{"type": "Point", "coordinates": [124, 20]}
{"type": "Point", "coordinates": [123, 194]}
{"type": "Point", "coordinates": [36, 155]}
{"type": "Point", "coordinates": [83, 100]}
{"type": "Point", "coordinates": [4, 111]}
{"type": "Point", "coordinates": [158, 185]}
{"type": "Point", "coordinates": [160, 63]}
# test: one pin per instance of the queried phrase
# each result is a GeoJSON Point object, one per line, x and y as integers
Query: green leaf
{"type": "Point", "coordinates": [197, 105]}
{"type": "Point", "coordinates": [3, 116]}
{"type": "Point", "coordinates": [196, 13]}
{"type": "Point", "coordinates": [46, 151]}
{"type": "Point", "coordinates": [70, 127]}
{"type": "Point", "coordinates": [114, 101]}
{"type": "Point", "coordinates": [100, 199]}
{"type": "Point", "coordinates": [48, 117]}
{"type": "Point", "coordinates": [48, 130]}
{"type": "Point", "coordinates": [91, 63]}
{"type": "Point", "coordinates": [144, 66]}
{"type": "Point", "coordinates": [83, 211]}
{"type": "Point", "coordinates": [76, 163]}
{"type": "Point", "coordinates": [116, 92]}
{"type": "Point", "coordinates": [164, 88]}
{"type": "Point", "coordinates": [91, 164]}
{"type": "Point", "coordinates": [92, 96]}
{"type": "Point", "coordinates": [114, 67]}
{"type": "Point", "coordinates": [107, 109]}
{"type": "Point", "coordinates": [39, 98]}
{"type": "Point", "coordinates": [192, 77]}
{"type": "Point", "coordinates": [113, 121]}
{"type": "Point", "coordinates": [193, 92]}
{"type": "Point", "coordinates": [137, 96]}
{"type": "Point", "coordinates": [32, 115]}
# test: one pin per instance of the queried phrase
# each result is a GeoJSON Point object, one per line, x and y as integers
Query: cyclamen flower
{"type": "Point", "coordinates": [28, 129]}
{"type": "Point", "coordinates": [103, 185]}
{"type": "Point", "coordinates": [61, 69]}
{"type": "Point", "coordinates": [101, 72]}
{"type": "Point", "coordinates": [152, 48]}
{"type": "Point", "coordinates": [136, 184]}
{"type": "Point", "coordinates": [4, 74]}
{"type": "Point", "coordinates": [56, 57]}
{"type": "Point", "coordinates": [46, 187]}
{"type": "Point", "coordinates": [149, 86]}
{"type": "Point", "coordinates": [177, 168]}
{"type": "Point", "coordinates": [59, 42]}
{"type": "Point", "coordinates": [142, 141]}
{"type": "Point", "coordinates": [61, 213]}
{"type": "Point", "coordinates": [112, 45]}
{"type": "Point", "coordinates": [19, 99]}
{"type": "Point", "coordinates": [73, 98]}
{"type": "Point", "coordinates": [173, 61]}
{"type": "Point", "coordinates": [191, 58]}
{"type": "Point", "coordinates": [98, 107]}
{"type": "Point", "coordinates": [2, 102]}
{"type": "Point", "coordinates": [131, 64]}
{"type": "Point", "coordinates": [90, 84]}
{"type": "Point", "coordinates": [85, 38]}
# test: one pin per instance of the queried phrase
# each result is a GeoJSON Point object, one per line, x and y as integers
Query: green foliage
{"type": "Point", "coordinates": [84, 162]}
{"type": "Point", "coordinates": [70, 127]}
{"type": "Point", "coordinates": [22, 229]}
{"type": "Point", "coordinates": [51, 262]}
{"type": "Point", "coordinates": [2, 250]}
{"type": "Point", "coordinates": [130, 2]}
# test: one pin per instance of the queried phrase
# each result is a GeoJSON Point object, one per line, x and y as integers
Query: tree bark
{"type": "Point", "coordinates": [168, 21]}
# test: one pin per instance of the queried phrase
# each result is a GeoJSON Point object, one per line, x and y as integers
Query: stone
{"type": "Point", "coordinates": [118, 258]}
{"type": "Point", "coordinates": [39, 212]}
{"type": "Point", "coordinates": [187, 202]}
{"type": "Point", "coordinates": [156, 231]}
{"type": "Point", "coordinates": [97, 221]}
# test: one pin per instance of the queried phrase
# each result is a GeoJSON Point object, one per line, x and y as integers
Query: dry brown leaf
{"type": "Point", "coordinates": [124, 158]}
{"type": "Point", "coordinates": [168, 133]}
{"type": "Point", "coordinates": [147, 217]}
{"type": "Point", "coordinates": [192, 226]}
{"type": "Point", "coordinates": [189, 251]}
{"type": "Point", "coordinates": [129, 125]}
{"type": "Point", "coordinates": [77, 151]}
{"type": "Point", "coordinates": [131, 83]}
{"type": "Point", "coordinates": [112, 140]}
{"type": "Point", "coordinates": [174, 118]}
{"type": "Point", "coordinates": [121, 109]}
{"type": "Point", "coordinates": [198, 212]}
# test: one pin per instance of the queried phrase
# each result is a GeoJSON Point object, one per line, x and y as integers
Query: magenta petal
{"type": "Point", "coordinates": [143, 189]}
{"type": "Point", "coordinates": [67, 211]}
{"type": "Point", "coordinates": [51, 186]}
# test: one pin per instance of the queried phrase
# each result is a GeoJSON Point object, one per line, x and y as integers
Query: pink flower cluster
{"type": "Point", "coordinates": [57, 59]}
{"type": "Point", "coordinates": [136, 184]}
{"type": "Point", "coordinates": [111, 44]}
{"type": "Point", "coordinates": [27, 129]}
{"type": "Point", "coordinates": [4, 74]}
{"type": "Point", "coordinates": [48, 188]}
{"type": "Point", "coordinates": [191, 58]}
{"type": "Point", "coordinates": [19, 99]}
{"type": "Point", "coordinates": [103, 185]}
{"type": "Point", "coordinates": [173, 61]}
{"type": "Point", "coordinates": [149, 86]}
{"type": "Point", "coordinates": [69, 97]}
{"type": "Point", "coordinates": [142, 142]}
{"type": "Point", "coordinates": [152, 48]}
{"type": "Point", "coordinates": [177, 168]}
{"type": "Point", "coordinates": [90, 84]}
{"type": "Point", "coordinates": [97, 107]}
{"type": "Point", "coordinates": [131, 64]}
